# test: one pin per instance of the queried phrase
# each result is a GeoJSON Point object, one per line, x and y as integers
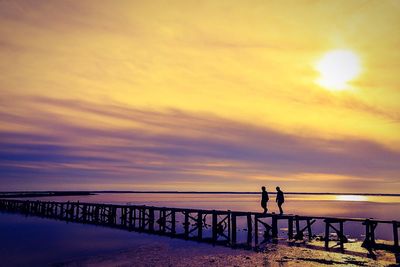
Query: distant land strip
{"type": "Point", "coordinates": [44, 194]}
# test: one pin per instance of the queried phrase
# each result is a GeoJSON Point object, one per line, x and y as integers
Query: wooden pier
{"type": "Point", "coordinates": [194, 224]}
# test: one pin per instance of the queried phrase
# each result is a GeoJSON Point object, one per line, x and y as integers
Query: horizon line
{"type": "Point", "coordinates": [192, 192]}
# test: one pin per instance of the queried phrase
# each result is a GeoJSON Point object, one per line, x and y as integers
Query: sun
{"type": "Point", "coordinates": [337, 68]}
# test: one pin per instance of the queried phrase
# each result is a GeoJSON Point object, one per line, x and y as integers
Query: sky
{"type": "Point", "coordinates": [198, 95]}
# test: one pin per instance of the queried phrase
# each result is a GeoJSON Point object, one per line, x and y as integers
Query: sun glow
{"type": "Point", "coordinates": [337, 68]}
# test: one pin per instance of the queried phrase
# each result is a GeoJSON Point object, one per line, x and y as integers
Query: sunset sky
{"type": "Point", "coordinates": [198, 95]}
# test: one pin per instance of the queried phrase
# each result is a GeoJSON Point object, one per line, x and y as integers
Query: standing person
{"type": "Point", "coordinates": [279, 199]}
{"type": "Point", "coordinates": [264, 199]}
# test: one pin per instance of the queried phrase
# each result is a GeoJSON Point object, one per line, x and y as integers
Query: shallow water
{"type": "Point", "coordinates": [32, 241]}
{"type": "Point", "coordinates": [351, 206]}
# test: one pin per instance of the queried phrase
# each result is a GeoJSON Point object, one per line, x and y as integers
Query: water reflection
{"type": "Point", "coordinates": [351, 198]}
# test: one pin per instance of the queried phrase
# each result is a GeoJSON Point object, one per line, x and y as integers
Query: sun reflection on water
{"type": "Point", "coordinates": [351, 198]}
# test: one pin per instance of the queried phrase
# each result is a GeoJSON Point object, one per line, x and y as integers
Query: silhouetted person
{"type": "Point", "coordinates": [279, 199]}
{"type": "Point", "coordinates": [264, 199]}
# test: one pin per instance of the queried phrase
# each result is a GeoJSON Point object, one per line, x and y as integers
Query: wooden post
{"type": "Point", "coordinates": [297, 228]}
{"type": "Point", "coordinates": [249, 229]}
{"type": "Point", "coordinates": [341, 237]}
{"type": "Point", "coordinates": [160, 218]}
{"type": "Point", "coordinates": [233, 217]}
{"type": "Point", "coordinates": [130, 218]}
{"type": "Point", "coordinates": [110, 216]}
{"type": "Point", "coordinates": [67, 211]}
{"type": "Point", "coordinates": [274, 226]}
{"type": "Point", "coordinates": [164, 221]}
{"type": "Point", "coordinates": [62, 211]}
{"type": "Point", "coordinates": [372, 233]}
{"type": "Point", "coordinates": [151, 219]}
{"type": "Point", "coordinates": [77, 211]}
{"type": "Point", "coordinates": [139, 217]}
{"type": "Point", "coordinates": [134, 217]}
{"type": "Point", "coordinates": [396, 234]}
{"type": "Point", "coordinates": [214, 226]}
{"type": "Point", "coordinates": [255, 229]}
{"type": "Point", "coordinates": [90, 213]}
{"type": "Point", "coordinates": [122, 218]}
{"type": "Point", "coordinates": [143, 218]}
{"type": "Point", "coordinates": [290, 228]}
{"type": "Point", "coordinates": [85, 211]}
{"type": "Point", "coordinates": [229, 226]}
{"type": "Point", "coordinates": [173, 222]}
{"type": "Point", "coordinates": [326, 234]}
{"type": "Point", "coordinates": [186, 227]}
{"type": "Point", "coordinates": [309, 229]}
{"type": "Point", "coordinates": [200, 225]}
{"type": "Point", "coordinates": [114, 215]}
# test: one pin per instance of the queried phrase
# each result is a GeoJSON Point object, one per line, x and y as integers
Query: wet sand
{"type": "Point", "coordinates": [273, 255]}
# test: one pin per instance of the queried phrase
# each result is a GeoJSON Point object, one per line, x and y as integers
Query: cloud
{"type": "Point", "coordinates": [74, 141]}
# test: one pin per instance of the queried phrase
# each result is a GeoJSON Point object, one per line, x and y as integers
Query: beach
{"type": "Point", "coordinates": [276, 255]}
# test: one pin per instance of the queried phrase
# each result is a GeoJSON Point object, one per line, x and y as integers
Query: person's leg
{"type": "Point", "coordinates": [263, 205]}
{"type": "Point", "coordinates": [280, 208]}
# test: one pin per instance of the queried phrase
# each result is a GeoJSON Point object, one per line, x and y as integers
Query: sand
{"type": "Point", "coordinates": [272, 255]}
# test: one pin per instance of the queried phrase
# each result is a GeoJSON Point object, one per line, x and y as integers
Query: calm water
{"type": "Point", "coordinates": [355, 206]}
{"type": "Point", "coordinates": [33, 241]}
{"type": "Point", "coordinates": [47, 241]}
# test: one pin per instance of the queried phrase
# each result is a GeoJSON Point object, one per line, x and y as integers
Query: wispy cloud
{"type": "Point", "coordinates": [174, 146]}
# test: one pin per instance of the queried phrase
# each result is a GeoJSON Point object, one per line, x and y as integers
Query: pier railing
{"type": "Point", "coordinates": [222, 225]}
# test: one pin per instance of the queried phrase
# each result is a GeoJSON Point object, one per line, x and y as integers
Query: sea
{"type": "Point", "coordinates": [43, 241]}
